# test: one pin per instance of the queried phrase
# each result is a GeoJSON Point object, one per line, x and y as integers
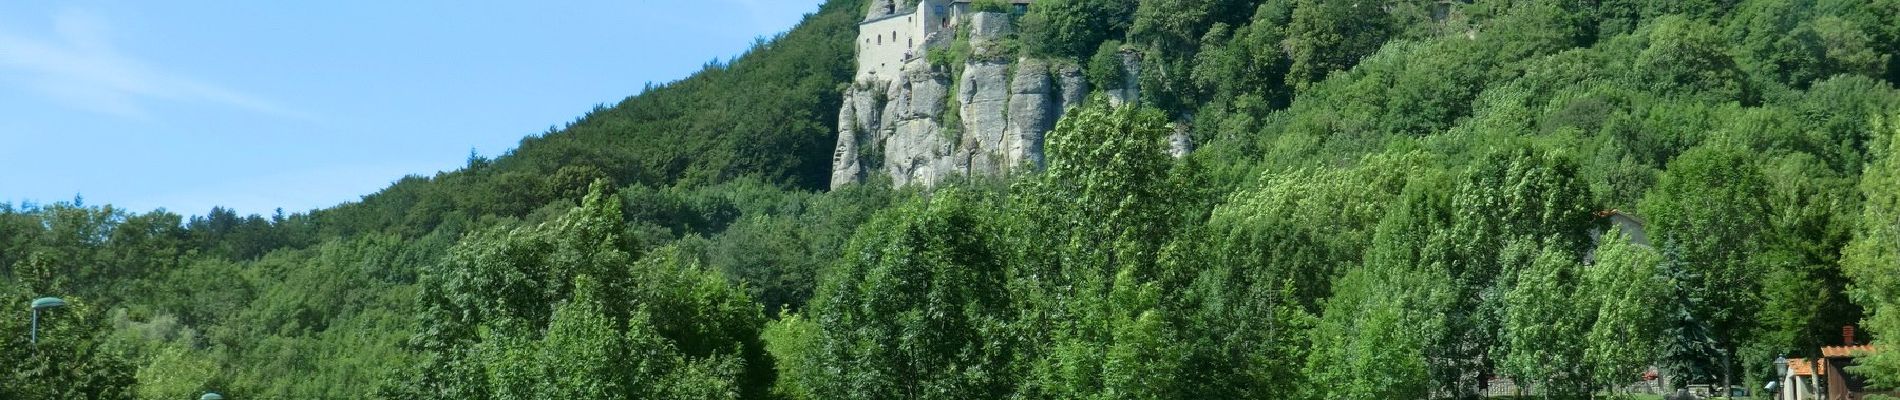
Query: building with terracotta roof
{"type": "Point", "coordinates": [1826, 377]}
{"type": "Point", "coordinates": [1801, 380]}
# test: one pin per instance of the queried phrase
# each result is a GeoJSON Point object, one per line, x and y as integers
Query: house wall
{"type": "Point", "coordinates": [883, 44]}
{"type": "Point", "coordinates": [934, 16]}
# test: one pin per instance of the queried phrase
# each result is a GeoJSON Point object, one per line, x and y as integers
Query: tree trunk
{"type": "Point", "coordinates": [1726, 374]}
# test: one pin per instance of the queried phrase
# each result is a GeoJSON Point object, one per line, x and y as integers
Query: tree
{"type": "Point", "coordinates": [583, 352]}
{"type": "Point", "coordinates": [1688, 57]}
{"type": "Point", "coordinates": [1075, 28]}
{"type": "Point", "coordinates": [175, 373]}
{"type": "Point", "coordinates": [1544, 315]}
{"type": "Point", "coordinates": [487, 333]}
{"type": "Point", "coordinates": [74, 359]}
{"type": "Point", "coordinates": [1373, 340]}
{"type": "Point", "coordinates": [917, 309]}
{"type": "Point", "coordinates": [1327, 36]}
{"type": "Point", "coordinates": [1086, 266]}
{"type": "Point", "coordinates": [1630, 299]}
{"type": "Point", "coordinates": [1169, 33]}
{"type": "Point", "coordinates": [1381, 330]}
{"type": "Point", "coordinates": [1509, 195]}
{"type": "Point", "coordinates": [1795, 43]}
{"type": "Point", "coordinates": [1704, 207]}
{"type": "Point", "coordinates": [1872, 260]}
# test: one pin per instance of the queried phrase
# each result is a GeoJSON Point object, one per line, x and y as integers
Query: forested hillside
{"type": "Point", "coordinates": [1390, 200]}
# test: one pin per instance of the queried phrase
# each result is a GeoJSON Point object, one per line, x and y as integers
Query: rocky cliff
{"type": "Point", "coordinates": [905, 127]}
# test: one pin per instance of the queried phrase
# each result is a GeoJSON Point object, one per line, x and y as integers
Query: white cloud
{"type": "Point", "coordinates": [77, 64]}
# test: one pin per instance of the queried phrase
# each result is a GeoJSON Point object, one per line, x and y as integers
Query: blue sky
{"type": "Point", "coordinates": [257, 105]}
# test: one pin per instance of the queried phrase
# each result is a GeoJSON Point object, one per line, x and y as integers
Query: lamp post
{"type": "Point", "coordinates": [41, 304]}
{"type": "Point", "coordinates": [1781, 369]}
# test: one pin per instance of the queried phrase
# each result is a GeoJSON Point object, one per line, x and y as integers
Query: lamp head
{"type": "Point", "coordinates": [48, 302]}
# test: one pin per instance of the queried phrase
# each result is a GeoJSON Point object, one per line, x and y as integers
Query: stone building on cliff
{"type": "Point", "coordinates": [894, 32]}
{"type": "Point", "coordinates": [919, 121]}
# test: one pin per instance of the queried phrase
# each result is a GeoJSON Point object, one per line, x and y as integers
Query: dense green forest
{"type": "Point", "coordinates": [1391, 200]}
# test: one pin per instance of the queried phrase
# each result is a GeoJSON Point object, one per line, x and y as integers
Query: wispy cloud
{"type": "Point", "coordinates": [78, 65]}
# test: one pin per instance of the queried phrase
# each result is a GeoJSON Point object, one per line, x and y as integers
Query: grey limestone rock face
{"type": "Point", "coordinates": [1181, 143]}
{"type": "Point", "coordinates": [844, 159]}
{"type": "Point", "coordinates": [880, 8]}
{"type": "Point", "coordinates": [916, 146]}
{"type": "Point", "coordinates": [1074, 86]}
{"type": "Point", "coordinates": [866, 108]}
{"type": "Point", "coordinates": [1033, 109]}
{"type": "Point", "coordinates": [1130, 91]}
{"type": "Point", "coordinates": [924, 91]}
{"type": "Point", "coordinates": [1006, 108]}
{"type": "Point", "coordinates": [985, 29]}
{"type": "Point", "coordinates": [984, 93]}
{"type": "Point", "coordinates": [861, 130]}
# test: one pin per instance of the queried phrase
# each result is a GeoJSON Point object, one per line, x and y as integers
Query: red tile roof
{"type": "Point", "coordinates": [1845, 351]}
{"type": "Point", "coordinates": [1803, 367]}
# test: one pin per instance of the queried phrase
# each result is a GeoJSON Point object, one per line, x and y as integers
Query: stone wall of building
{"type": "Point", "coordinates": [884, 44]}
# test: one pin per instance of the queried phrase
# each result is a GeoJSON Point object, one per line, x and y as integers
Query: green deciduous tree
{"type": "Point", "coordinates": [1514, 194]}
{"type": "Point", "coordinates": [660, 327]}
{"type": "Point", "coordinates": [74, 359]}
{"type": "Point", "coordinates": [1545, 314]}
{"type": "Point", "coordinates": [1327, 36]}
{"type": "Point", "coordinates": [1629, 295]}
{"type": "Point", "coordinates": [1706, 209]}
{"type": "Point", "coordinates": [917, 309]}
{"type": "Point", "coordinates": [1873, 259]}
{"type": "Point", "coordinates": [1074, 28]}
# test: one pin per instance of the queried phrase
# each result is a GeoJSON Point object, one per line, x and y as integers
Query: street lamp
{"type": "Point", "coordinates": [1781, 369]}
{"type": "Point", "coordinates": [211, 396]}
{"type": "Point", "coordinates": [41, 304]}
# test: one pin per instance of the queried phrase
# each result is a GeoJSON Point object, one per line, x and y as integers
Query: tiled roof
{"type": "Point", "coordinates": [1802, 367]}
{"type": "Point", "coordinates": [1845, 351]}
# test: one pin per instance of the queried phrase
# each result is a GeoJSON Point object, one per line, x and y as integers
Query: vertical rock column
{"type": "Point", "coordinates": [1032, 113]}
{"type": "Point", "coordinates": [915, 147]}
{"type": "Point", "coordinates": [983, 91]}
{"type": "Point", "coordinates": [860, 130]}
{"type": "Point", "coordinates": [845, 169]}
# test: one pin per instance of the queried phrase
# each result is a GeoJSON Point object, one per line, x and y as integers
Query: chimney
{"type": "Point", "coordinates": [1847, 335]}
